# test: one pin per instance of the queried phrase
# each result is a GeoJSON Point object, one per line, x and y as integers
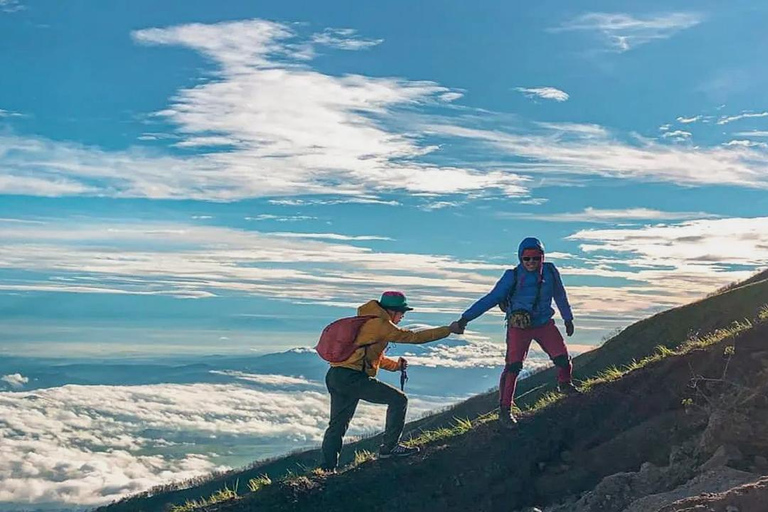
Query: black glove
{"type": "Point", "coordinates": [569, 327]}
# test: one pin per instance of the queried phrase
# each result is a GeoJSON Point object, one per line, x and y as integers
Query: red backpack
{"type": "Point", "coordinates": [337, 342]}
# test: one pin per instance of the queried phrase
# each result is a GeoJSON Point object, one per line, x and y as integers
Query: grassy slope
{"type": "Point", "coordinates": [671, 329]}
{"type": "Point", "coordinates": [559, 450]}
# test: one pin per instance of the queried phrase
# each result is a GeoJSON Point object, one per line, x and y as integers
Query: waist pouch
{"type": "Point", "coordinates": [519, 319]}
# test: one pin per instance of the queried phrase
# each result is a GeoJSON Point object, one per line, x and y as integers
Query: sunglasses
{"type": "Point", "coordinates": [531, 258]}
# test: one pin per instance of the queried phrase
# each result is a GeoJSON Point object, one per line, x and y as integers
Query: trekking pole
{"type": "Point", "coordinates": [403, 379]}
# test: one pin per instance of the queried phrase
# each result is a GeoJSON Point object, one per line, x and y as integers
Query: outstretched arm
{"type": "Point", "coordinates": [499, 293]}
{"type": "Point", "coordinates": [395, 334]}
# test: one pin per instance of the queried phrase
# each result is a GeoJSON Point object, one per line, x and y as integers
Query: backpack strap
{"type": "Point", "coordinates": [541, 282]}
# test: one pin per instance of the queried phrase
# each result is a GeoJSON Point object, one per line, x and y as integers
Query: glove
{"type": "Point", "coordinates": [569, 327]}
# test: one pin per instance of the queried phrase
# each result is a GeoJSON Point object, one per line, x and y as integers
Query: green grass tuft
{"type": "Point", "coordinates": [362, 456]}
{"type": "Point", "coordinates": [545, 400]}
{"type": "Point", "coordinates": [460, 426]}
{"type": "Point", "coordinates": [225, 494]}
{"type": "Point", "coordinates": [258, 483]}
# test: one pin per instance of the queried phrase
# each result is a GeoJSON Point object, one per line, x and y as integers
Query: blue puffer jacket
{"type": "Point", "coordinates": [525, 291]}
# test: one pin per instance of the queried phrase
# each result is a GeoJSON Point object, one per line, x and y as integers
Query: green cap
{"type": "Point", "coordinates": [394, 301]}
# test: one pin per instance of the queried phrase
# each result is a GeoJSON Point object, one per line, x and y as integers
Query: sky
{"type": "Point", "coordinates": [217, 178]}
{"type": "Point", "coordinates": [190, 179]}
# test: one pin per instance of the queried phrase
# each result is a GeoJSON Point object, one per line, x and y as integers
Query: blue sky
{"type": "Point", "coordinates": [208, 178]}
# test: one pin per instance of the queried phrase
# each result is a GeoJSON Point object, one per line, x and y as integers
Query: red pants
{"type": "Point", "coordinates": [518, 342]}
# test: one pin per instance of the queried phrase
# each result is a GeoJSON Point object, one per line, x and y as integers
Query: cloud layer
{"type": "Point", "coordinates": [193, 261]}
{"type": "Point", "coordinates": [87, 445]}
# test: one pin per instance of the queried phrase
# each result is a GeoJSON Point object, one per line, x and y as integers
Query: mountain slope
{"type": "Point", "coordinates": [647, 433]}
{"type": "Point", "coordinates": [670, 329]}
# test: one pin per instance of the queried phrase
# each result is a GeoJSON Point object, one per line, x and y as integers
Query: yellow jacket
{"type": "Point", "coordinates": [376, 334]}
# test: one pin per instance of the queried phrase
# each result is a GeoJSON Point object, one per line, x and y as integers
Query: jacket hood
{"type": "Point", "coordinates": [372, 308]}
{"type": "Point", "coordinates": [529, 243]}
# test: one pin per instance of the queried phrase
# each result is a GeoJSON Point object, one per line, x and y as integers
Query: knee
{"type": "Point", "coordinates": [514, 367]}
{"type": "Point", "coordinates": [562, 361]}
{"type": "Point", "coordinates": [398, 401]}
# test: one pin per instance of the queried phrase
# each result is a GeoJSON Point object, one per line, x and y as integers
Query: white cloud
{"type": "Point", "coordinates": [754, 133]}
{"type": "Point", "coordinates": [338, 143]}
{"type": "Point", "coordinates": [11, 5]}
{"type": "Point", "coordinates": [281, 218]}
{"type": "Point", "coordinates": [703, 247]}
{"type": "Point", "coordinates": [439, 205]}
{"type": "Point", "coordinates": [610, 216]}
{"type": "Point", "coordinates": [738, 117]}
{"type": "Point", "coordinates": [88, 445]}
{"type": "Point", "coordinates": [8, 113]}
{"type": "Point", "coordinates": [678, 135]}
{"type": "Point", "coordinates": [563, 153]}
{"type": "Point", "coordinates": [546, 93]}
{"type": "Point", "coordinates": [623, 32]}
{"type": "Point", "coordinates": [688, 120]}
{"type": "Point", "coordinates": [15, 380]}
{"type": "Point", "coordinates": [743, 143]}
{"type": "Point", "coordinates": [344, 39]}
{"type": "Point", "coordinates": [331, 236]}
{"type": "Point", "coordinates": [346, 200]}
{"type": "Point", "coordinates": [267, 125]}
{"type": "Point", "coordinates": [536, 201]}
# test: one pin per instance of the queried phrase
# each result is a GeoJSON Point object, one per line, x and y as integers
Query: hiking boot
{"type": "Point", "coordinates": [507, 420]}
{"type": "Point", "coordinates": [400, 450]}
{"type": "Point", "coordinates": [567, 388]}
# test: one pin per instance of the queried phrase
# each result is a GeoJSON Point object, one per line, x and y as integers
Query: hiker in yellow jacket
{"type": "Point", "coordinates": [354, 379]}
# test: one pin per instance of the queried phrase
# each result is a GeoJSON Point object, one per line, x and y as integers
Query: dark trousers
{"type": "Point", "coordinates": [347, 388]}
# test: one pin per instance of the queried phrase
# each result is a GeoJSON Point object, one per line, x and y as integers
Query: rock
{"type": "Point", "coordinates": [761, 462]}
{"type": "Point", "coordinates": [725, 454]}
{"type": "Point", "coordinates": [731, 508]}
{"type": "Point", "coordinates": [725, 428]}
{"type": "Point", "coordinates": [567, 456]}
{"type": "Point", "coordinates": [718, 480]}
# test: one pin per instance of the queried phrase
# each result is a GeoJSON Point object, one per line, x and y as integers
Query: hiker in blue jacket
{"type": "Point", "coordinates": [525, 293]}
